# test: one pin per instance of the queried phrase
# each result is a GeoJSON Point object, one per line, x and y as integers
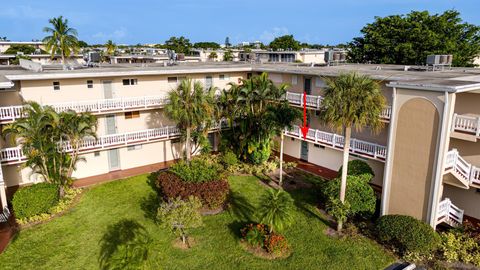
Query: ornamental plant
{"type": "Point", "coordinates": [276, 209]}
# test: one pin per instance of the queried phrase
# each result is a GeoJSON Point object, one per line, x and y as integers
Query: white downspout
{"type": "Point", "coordinates": [439, 164]}
{"type": "Point", "coordinates": [387, 175]}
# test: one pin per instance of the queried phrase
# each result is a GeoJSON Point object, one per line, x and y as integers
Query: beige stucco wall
{"type": "Point", "coordinates": [466, 199]}
{"type": "Point", "coordinates": [467, 103]}
{"type": "Point", "coordinates": [414, 157]}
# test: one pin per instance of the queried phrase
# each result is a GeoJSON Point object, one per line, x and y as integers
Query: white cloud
{"type": "Point", "coordinates": [23, 12]}
{"type": "Point", "coordinates": [269, 35]}
{"type": "Point", "coordinates": [115, 35]}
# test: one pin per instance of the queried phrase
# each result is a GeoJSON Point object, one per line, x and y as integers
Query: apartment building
{"type": "Point", "coordinates": [426, 158]}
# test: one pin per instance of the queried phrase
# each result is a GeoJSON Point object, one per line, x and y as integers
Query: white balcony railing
{"type": "Point", "coordinates": [315, 102]}
{"type": "Point", "coordinates": [462, 169]}
{"type": "Point", "coordinates": [449, 213]}
{"type": "Point", "coordinates": [367, 149]}
{"type": "Point", "coordinates": [466, 124]}
{"type": "Point", "coordinates": [15, 155]}
{"type": "Point", "coordinates": [297, 99]}
{"type": "Point", "coordinates": [8, 114]}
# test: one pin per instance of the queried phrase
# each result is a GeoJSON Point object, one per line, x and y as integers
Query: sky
{"type": "Point", "coordinates": [150, 21]}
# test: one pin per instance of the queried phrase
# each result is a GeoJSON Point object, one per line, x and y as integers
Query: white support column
{"type": "Point", "coordinates": [440, 153]}
{"type": "Point", "coordinates": [387, 175]}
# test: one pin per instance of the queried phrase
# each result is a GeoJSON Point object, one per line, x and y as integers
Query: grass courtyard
{"type": "Point", "coordinates": [72, 241]}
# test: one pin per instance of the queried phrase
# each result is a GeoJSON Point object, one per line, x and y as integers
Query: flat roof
{"type": "Point", "coordinates": [452, 80]}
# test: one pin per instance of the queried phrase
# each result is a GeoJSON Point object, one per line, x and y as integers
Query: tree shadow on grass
{"type": "Point", "coordinates": [152, 180]}
{"type": "Point", "coordinates": [149, 205]}
{"type": "Point", "coordinates": [307, 202]}
{"type": "Point", "coordinates": [242, 211]}
{"type": "Point", "coordinates": [125, 245]}
{"type": "Point", "coordinates": [240, 208]}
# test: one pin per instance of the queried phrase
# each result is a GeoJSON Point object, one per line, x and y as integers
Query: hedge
{"type": "Point", "coordinates": [212, 194]}
{"type": "Point", "coordinates": [36, 199]}
{"type": "Point", "coordinates": [407, 233]}
{"type": "Point", "coordinates": [197, 170]}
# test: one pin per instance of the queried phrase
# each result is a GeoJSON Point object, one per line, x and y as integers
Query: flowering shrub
{"type": "Point", "coordinates": [276, 243]}
{"type": "Point", "coordinates": [258, 235]}
{"type": "Point", "coordinates": [212, 194]}
{"type": "Point", "coordinates": [254, 234]}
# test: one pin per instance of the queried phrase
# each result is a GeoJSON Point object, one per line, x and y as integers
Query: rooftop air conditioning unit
{"type": "Point", "coordinates": [433, 60]}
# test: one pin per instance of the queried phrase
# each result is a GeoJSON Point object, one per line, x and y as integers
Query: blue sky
{"type": "Point", "coordinates": [150, 21]}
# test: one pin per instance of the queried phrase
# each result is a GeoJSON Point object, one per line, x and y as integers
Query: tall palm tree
{"type": "Point", "coordinates": [111, 47]}
{"type": "Point", "coordinates": [351, 100]}
{"type": "Point", "coordinates": [62, 38]}
{"type": "Point", "coordinates": [191, 107]}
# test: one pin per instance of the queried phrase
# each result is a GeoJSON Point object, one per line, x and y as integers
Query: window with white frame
{"type": "Point", "coordinates": [130, 81]}
{"type": "Point", "coordinates": [172, 79]}
{"type": "Point", "coordinates": [223, 77]}
{"type": "Point", "coordinates": [56, 85]}
{"type": "Point", "coordinates": [294, 79]}
{"type": "Point", "coordinates": [275, 77]}
{"type": "Point", "coordinates": [89, 84]}
{"type": "Point", "coordinates": [319, 82]}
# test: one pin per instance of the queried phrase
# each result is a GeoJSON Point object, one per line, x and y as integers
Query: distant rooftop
{"type": "Point", "coordinates": [454, 79]}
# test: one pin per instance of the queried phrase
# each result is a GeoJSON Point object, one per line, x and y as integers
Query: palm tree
{"type": "Point", "coordinates": [62, 38]}
{"type": "Point", "coordinates": [351, 100]}
{"type": "Point", "coordinates": [213, 56]}
{"type": "Point", "coordinates": [111, 47]}
{"type": "Point", "coordinates": [75, 128]}
{"type": "Point", "coordinates": [192, 107]}
{"type": "Point", "coordinates": [276, 209]}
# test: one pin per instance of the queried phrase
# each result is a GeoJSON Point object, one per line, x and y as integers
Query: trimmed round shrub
{"type": "Point", "coordinates": [35, 199]}
{"type": "Point", "coordinates": [212, 194]}
{"type": "Point", "coordinates": [357, 167]}
{"type": "Point", "coordinates": [360, 195]}
{"type": "Point", "coordinates": [407, 233]}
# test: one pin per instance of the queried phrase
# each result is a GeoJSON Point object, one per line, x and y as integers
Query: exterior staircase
{"type": "Point", "coordinates": [449, 214]}
{"type": "Point", "coordinates": [467, 174]}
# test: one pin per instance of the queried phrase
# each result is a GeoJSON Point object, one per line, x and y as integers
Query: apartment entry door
{"type": "Point", "coordinates": [108, 90]}
{"type": "Point", "coordinates": [113, 154]}
{"type": "Point", "coordinates": [304, 151]}
{"type": "Point", "coordinates": [307, 85]}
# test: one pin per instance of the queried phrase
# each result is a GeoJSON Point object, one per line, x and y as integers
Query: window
{"type": "Point", "coordinates": [319, 82]}
{"type": "Point", "coordinates": [96, 153]}
{"type": "Point", "coordinates": [172, 79]}
{"type": "Point", "coordinates": [319, 146]}
{"type": "Point", "coordinates": [294, 79]}
{"type": "Point", "coordinates": [130, 82]}
{"type": "Point", "coordinates": [131, 115]}
{"type": "Point", "coordinates": [56, 85]}
{"type": "Point", "coordinates": [89, 84]}
{"type": "Point", "coordinates": [223, 77]}
{"type": "Point", "coordinates": [208, 81]}
{"type": "Point", "coordinates": [134, 147]}
{"type": "Point", "coordinates": [293, 139]}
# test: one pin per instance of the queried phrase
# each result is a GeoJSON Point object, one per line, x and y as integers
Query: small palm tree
{"type": "Point", "coordinates": [351, 100]}
{"type": "Point", "coordinates": [75, 128]}
{"type": "Point", "coordinates": [62, 38]}
{"type": "Point", "coordinates": [191, 107]}
{"type": "Point", "coordinates": [111, 47]}
{"type": "Point", "coordinates": [276, 209]}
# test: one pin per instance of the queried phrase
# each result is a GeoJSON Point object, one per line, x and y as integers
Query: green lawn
{"type": "Point", "coordinates": [72, 241]}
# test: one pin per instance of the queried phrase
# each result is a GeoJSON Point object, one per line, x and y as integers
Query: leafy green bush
{"type": "Point", "coordinates": [458, 246]}
{"type": "Point", "coordinates": [229, 159]}
{"type": "Point", "coordinates": [407, 233]}
{"type": "Point", "coordinates": [360, 195]}
{"type": "Point", "coordinates": [260, 235]}
{"type": "Point", "coordinates": [35, 199]}
{"type": "Point", "coordinates": [258, 152]}
{"type": "Point", "coordinates": [197, 171]}
{"type": "Point", "coordinates": [357, 167]}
